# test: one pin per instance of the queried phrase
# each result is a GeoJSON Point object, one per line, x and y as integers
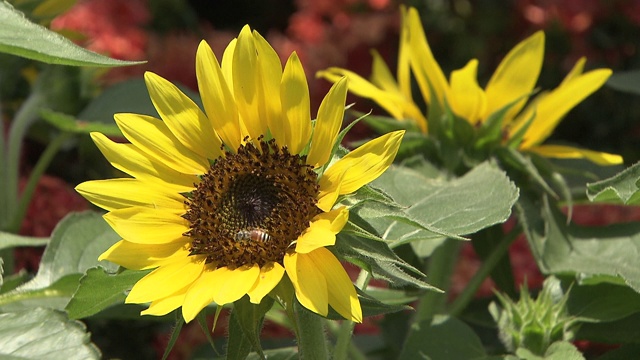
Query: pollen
{"type": "Point", "coordinates": [251, 205]}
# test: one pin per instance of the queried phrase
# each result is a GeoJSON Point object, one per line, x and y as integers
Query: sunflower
{"type": "Point", "coordinates": [227, 202]}
{"type": "Point", "coordinates": [511, 84]}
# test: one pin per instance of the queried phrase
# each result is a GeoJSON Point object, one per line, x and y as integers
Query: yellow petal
{"type": "Point", "coordinates": [308, 282]}
{"type": "Point", "coordinates": [576, 71]}
{"type": "Point", "coordinates": [380, 74]}
{"type": "Point", "coordinates": [294, 93]}
{"type": "Point", "coordinates": [552, 107]}
{"type": "Point", "coordinates": [155, 139]}
{"type": "Point", "coordinates": [363, 88]}
{"type": "Point", "coordinates": [342, 294]}
{"type": "Point", "coordinates": [129, 159]}
{"type": "Point", "coordinates": [145, 256]}
{"type": "Point", "coordinates": [330, 116]}
{"type": "Point", "coordinates": [329, 190]}
{"type": "Point", "coordinates": [364, 164]}
{"type": "Point", "coordinates": [202, 292]}
{"type": "Point", "coordinates": [322, 230]}
{"type": "Point", "coordinates": [271, 70]}
{"type": "Point", "coordinates": [236, 284]}
{"type": "Point", "coordinates": [216, 97]}
{"type": "Point", "coordinates": [116, 194]}
{"type": "Point", "coordinates": [516, 75]}
{"type": "Point", "coordinates": [428, 73]}
{"type": "Point", "coordinates": [404, 57]}
{"type": "Point", "coordinates": [568, 152]}
{"type": "Point", "coordinates": [270, 275]}
{"type": "Point", "coordinates": [165, 305]}
{"type": "Point", "coordinates": [226, 65]}
{"type": "Point", "coordinates": [466, 98]}
{"type": "Point", "coordinates": [183, 117]}
{"type": "Point", "coordinates": [247, 84]}
{"type": "Point", "coordinates": [166, 280]}
{"type": "Point", "coordinates": [147, 226]}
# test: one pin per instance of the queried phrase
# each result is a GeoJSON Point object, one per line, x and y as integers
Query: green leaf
{"type": "Point", "coordinates": [571, 249]}
{"type": "Point", "coordinates": [559, 350]}
{"type": "Point", "coordinates": [54, 296]}
{"type": "Point", "coordinates": [395, 301]}
{"type": "Point", "coordinates": [385, 124]}
{"type": "Point", "coordinates": [622, 187]}
{"type": "Point", "coordinates": [624, 352]}
{"type": "Point", "coordinates": [44, 334]}
{"type": "Point", "coordinates": [70, 124]}
{"type": "Point", "coordinates": [602, 302]}
{"type": "Point", "coordinates": [623, 331]}
{"type": "Point", "coordinates": [21, 37]}
{"type": "Point", "coordinates": [99, 290]}
{"type": "Point", "coordinates": [9, 240]}
{"type": "Point", "coordinates": [75, 245]}
{"type": "Point", "coordinates": [289, 353]}
{"type": "Point", "coordinates": [481, 198]}
{"type": "Point", "coordinates": [445, 338]}
{"type": "Point", "coordinates": [625, 81]}
{"type": "Point", "coordinates": [379, 260]}
{"type": "Point", "coordinates": [245, 324]}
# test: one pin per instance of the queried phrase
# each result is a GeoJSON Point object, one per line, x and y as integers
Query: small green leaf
{"type": "Point", "coordinates": [559, 350]}
{"type": "Point", "coordinates": [245, 324]}
{"type": "Point", "coordinates": [44, 334]}
{"type": "Point", "coordinates": [381, 261]}
{"type": "Point", "coordinates": [9, 240]}
{"type": "Point", "coordinates": [70, 124]}
{"type": "Point", "coordinates": [445, 338]}
{"type": "Point", "coordinates": [21, 37]}
{"type": "Point", "coordinates": [99, 290]}
{"type": "Point", "coordinates": [622, 187]}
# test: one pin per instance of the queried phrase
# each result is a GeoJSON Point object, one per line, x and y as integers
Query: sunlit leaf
{"type": "Point", "coordinates": [44, 334]}
{"type": "Point", "coordinates": [622, 187]}
{"type": "Point", "coordinates": [99, 290]}
{"type": "Point", "coordinates": [21, 37]}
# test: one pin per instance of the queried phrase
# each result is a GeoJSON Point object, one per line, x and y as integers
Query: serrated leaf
{"type": "Point", "coordinates": [99, 290]}
{"type": "Point", "coordinates": [481, 198]}
{"type": "Point", "coordinates": [444, 338]}
{"type": "Point", "coordinates": [559, 248]}
{"type": "Point", "coordinates": [43, 334]}
{"type": "Point", "coordinates": [9, 240]}
{"type": "Point", "coordinates": [381, 261]}
{"type": "Point", "coordinates": [559, 350]}
{"type": "Point", "coordinates": [372, 306]}
{"type": "Point", "coordinates": [21, 37]}
{"type": "Point", "coordinates": [622, 187]}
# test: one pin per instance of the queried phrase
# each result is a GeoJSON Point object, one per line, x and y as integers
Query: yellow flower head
{"type": "Point", "coordinates": [510, 85]}
{"type": "Point", "coordinates": [224, 202]}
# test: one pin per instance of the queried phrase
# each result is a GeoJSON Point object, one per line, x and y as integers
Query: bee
{"type": "Point", "coordinates": [253, 235]}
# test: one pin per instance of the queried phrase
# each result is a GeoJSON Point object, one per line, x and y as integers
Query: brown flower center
{"type": "Point", "coordinates": [250, 206]}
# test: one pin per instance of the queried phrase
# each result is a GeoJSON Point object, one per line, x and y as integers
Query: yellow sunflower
{"type": "Point", "coordinates": [514, 79]}
{"type": "Point", "coordinates": [225, 202]}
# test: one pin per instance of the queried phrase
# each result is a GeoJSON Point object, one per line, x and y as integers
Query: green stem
{"type": "Point", "coordinates": [40, 167]}
{"type": "Point", "coordinates": [345, 349]}
{"type": "Point", "coordinates": [24, 118]}
{"type": "Point", "coordinates": [312, 343]}
{"type": "Point", "coordinates": [440, 268]}
{"type": "Point", "coordinates": [461, 302]}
